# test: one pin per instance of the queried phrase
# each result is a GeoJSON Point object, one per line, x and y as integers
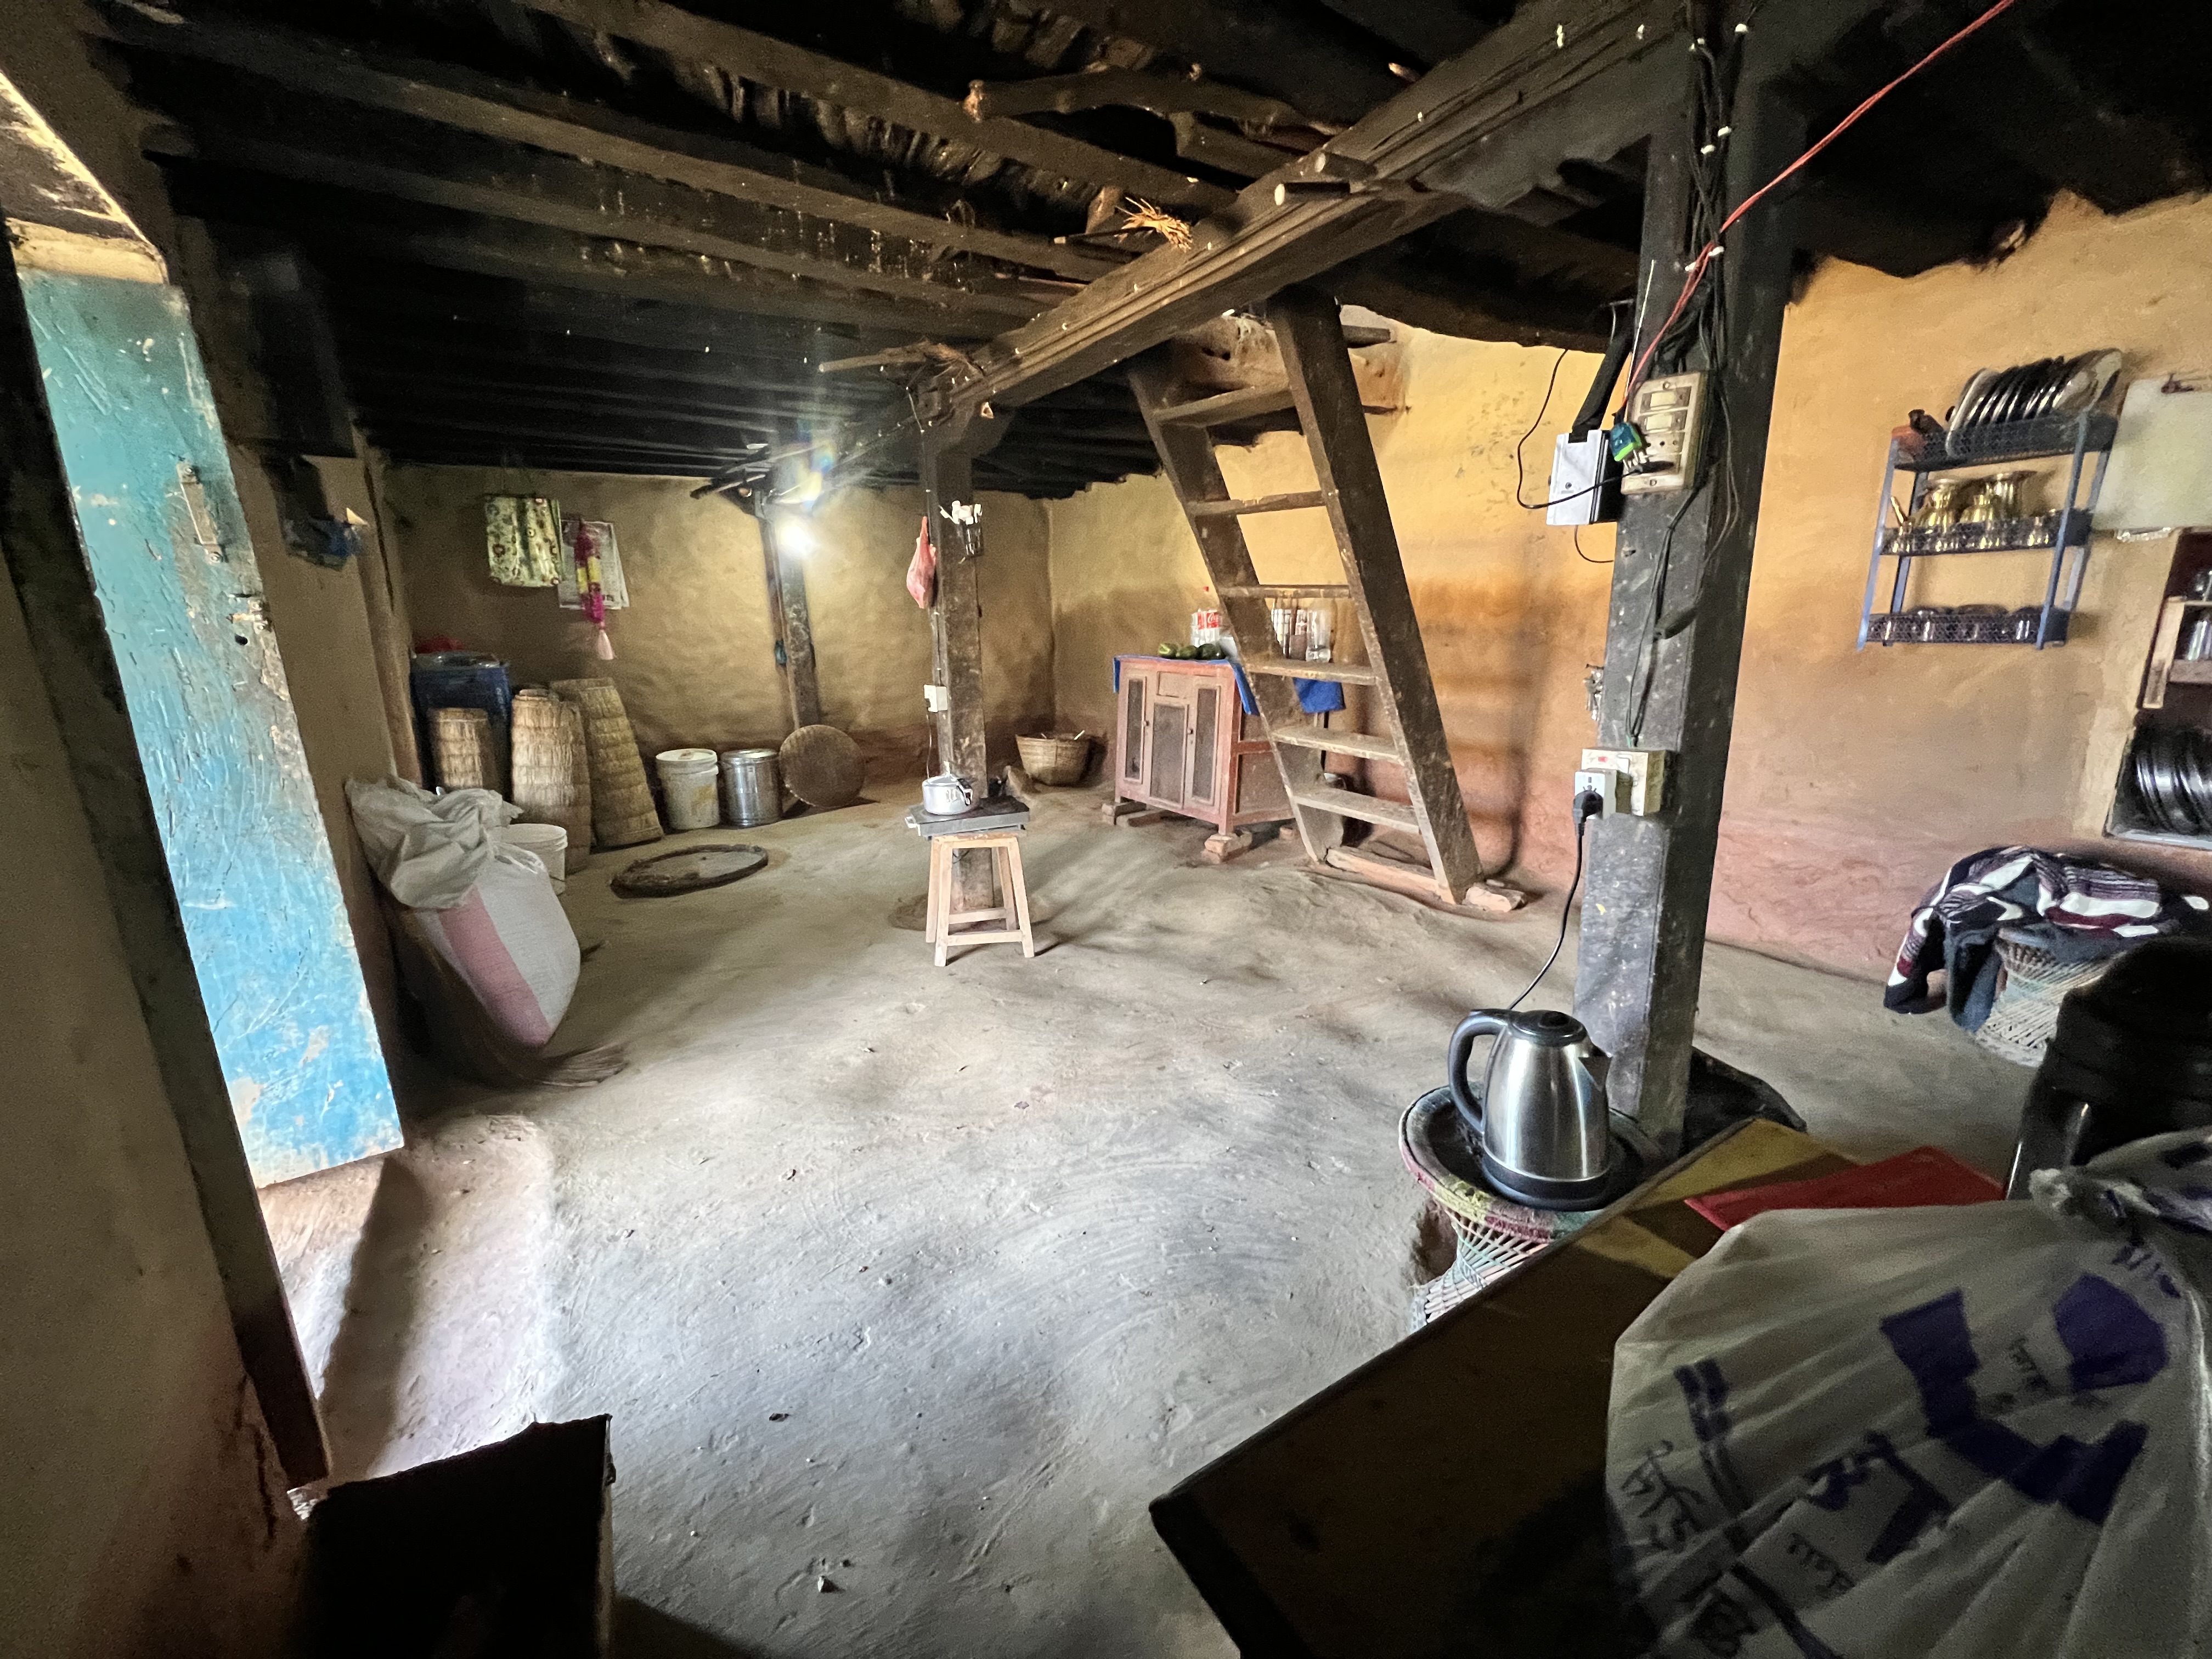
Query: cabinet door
{"type": "Point", "coordinates": [1168, 741]}
{"type": "Point", "coordinates": [1206, 747]}
{"type": "Point", "coordinates": [1129, 740]}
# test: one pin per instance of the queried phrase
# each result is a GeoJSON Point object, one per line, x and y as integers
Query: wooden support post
{"type": "Point", "coordinates": [1674, 635]}
{"type": "Point", "coordinates": [955, 532]}
{"type": "Point", "coordinates": [73, 655]}
{"type": "Point", "coordinates": [784, 546]}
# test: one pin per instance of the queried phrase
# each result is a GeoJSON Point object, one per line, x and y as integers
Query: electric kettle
{"type": "Point", "coordinates": [1539, 1114]}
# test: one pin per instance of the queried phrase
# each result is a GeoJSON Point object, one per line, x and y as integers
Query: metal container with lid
{"type": "Point", "coordinates": [752, 792]}
{"type": "Point", "coordinates": [2132, 1057]}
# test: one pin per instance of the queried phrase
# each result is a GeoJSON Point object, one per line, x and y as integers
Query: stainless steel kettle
{"type": "Point", "coordinates": [1541, 1112]}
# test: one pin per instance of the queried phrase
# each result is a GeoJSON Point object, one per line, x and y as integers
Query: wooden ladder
{"type": "Point", "coordinates": [1318, 384]}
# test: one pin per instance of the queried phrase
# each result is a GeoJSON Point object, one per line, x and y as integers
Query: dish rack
{"type": "Point", "coordinates": [2084, 440]}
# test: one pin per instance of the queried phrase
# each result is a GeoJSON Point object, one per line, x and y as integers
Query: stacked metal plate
{"type": "Point", "coordinates": [2172, 769]}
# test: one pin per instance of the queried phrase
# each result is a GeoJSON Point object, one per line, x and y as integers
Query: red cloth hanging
{"type": "Point", "coordinates": [922, 573]}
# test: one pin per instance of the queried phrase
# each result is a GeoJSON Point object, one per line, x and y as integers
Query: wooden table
{"type": "Point", "coordinates": [1448, 1496]}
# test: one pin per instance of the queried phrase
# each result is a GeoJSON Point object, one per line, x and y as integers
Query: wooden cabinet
{"type": "Point", "coordinates": [1182, 742]}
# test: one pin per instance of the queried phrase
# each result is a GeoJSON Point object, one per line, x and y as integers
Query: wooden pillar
{"type": "Point", "coordinates": [955, 532]}
{"type": "Point", "coordinates": [786, 556]}
{"type": "Point", "coordinates": [74, 657]}
{"type": "Point", "coordinates": [1675, 633]}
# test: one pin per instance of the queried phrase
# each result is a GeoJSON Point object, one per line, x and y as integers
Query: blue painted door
{"type": "Point", "coordinates": [161, 527]}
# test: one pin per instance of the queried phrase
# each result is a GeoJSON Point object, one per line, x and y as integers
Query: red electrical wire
{"type": "Point", "coordinates": [1711, 250]}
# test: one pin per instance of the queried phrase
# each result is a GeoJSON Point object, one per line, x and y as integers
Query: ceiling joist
{"type": "Point", "coordinates": [759, 57]}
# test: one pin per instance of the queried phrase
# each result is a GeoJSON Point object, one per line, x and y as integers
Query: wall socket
{"type": "Point", "coordinates": [1639, 774]}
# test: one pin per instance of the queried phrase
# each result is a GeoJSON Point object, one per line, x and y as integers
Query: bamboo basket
{"type": "Point", "coordinates": [1056, 762]}
{"type": "Point", "coordinates": [461, 747]}
{"type": "Point", "coordinates": [623, 814]}
{"type": "Point", "coordinates": [580, 758]}
{"type": "Point", "coordinates": [548, 732]}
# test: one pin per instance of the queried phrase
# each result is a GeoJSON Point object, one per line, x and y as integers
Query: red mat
{"type": "Point", "coordinates": [1924, 1175]}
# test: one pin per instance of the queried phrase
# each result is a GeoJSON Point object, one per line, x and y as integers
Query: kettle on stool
{"type": "Point", "coordinates": [1540, 1113]}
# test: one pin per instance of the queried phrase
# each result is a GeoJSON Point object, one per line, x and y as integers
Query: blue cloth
{"type": "Point", "coordinates": [1315, 697]}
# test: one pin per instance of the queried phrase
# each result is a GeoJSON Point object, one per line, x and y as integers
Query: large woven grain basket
{"type": "Point", "coordinates": [547, 733]}
{"type": "Point", "coordinates": [462, 749]}
{"type": "Point", "coordinates": [1056, 761]}
{"type": "Point", "coordinates": [623, 814]}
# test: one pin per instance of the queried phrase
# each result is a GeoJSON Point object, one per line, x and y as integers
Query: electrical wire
{"type": "Point", "coordinates": [1566, 905]}
{"type": "Point", "coordinates": [1520, 472]}
{"type": "Point", "coordinates": [1584, 557]}
{"type": "Point", "coordinates": [1695, 276]}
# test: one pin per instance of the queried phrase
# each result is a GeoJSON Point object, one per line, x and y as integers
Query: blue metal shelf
{"type": "Point", "coordinates": [2074, 438]}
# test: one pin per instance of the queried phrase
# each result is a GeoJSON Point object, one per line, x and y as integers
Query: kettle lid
{"type": "Point", "coordinates": [1547, 1028]}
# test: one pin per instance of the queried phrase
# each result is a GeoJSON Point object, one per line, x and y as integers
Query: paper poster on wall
{"type": "Point", "coordinates": [2158, 478]}
{"type": "Point", "coordinates": [610, 570]}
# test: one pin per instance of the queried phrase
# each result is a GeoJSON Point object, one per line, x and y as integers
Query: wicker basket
{"type": "Point", "coordinates": [462, 748]}
{"type": "Point", "coordinates": [1054, 761]}
{"type": "Point", "coordinates": [547, 733]}
{"type": "Point", "coordinates": [623, 814]}
{"type": "Point", "coordinates": [2031, 984]}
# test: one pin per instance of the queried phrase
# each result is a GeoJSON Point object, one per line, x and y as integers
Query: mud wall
{"type": "Point", "coordinates": [1855, 777]}
{"type": "Point", "coordinates": [142, 1512]}
{"type": "Point", "coordinates": [694, 653]}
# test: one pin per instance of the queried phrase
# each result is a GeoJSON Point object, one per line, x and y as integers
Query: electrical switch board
{"type": "Point", "coordinates": [1668, 413]}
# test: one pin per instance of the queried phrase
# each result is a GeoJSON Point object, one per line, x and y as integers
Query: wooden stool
{"type": "Point", "coordinates": [1005, 847]}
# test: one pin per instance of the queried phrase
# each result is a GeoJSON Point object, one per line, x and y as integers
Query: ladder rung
{"type": "Point", "coordinates": [1284, 503]}
{"type": "Point", "coordinates": [1344, 673]}
{"type": "Point", "coordinates": [1225, 407]}
{"type": "Point", "coordinates": [1260, 590]}
{"type": "Point", "coordinates": [1337, 743]}
{"type": "Point", "coordinates": [1374, 809]}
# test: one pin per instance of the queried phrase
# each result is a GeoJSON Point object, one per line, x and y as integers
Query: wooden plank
{"type": "Point", "coordinates": [1289, 502]}
{"type": "Point", "coordinates": [1266, 664]}
{"type": "Point", "coordinates": [1285, 51]}
{"type": "Point", "coordinates": [590, 133]}
{"type": "Point", "coordinates": [75, 659]}
{"type": "Point", "coordinates": [1339, 743]}
{"type": "Point", "coordinates": [1348, 804]}
{"type": "Point", "coordinates": [1126, 88]}
{"type": "Point", "coordinates": [1417, 883]}
{"type": "Point", "coordinates": [1225, 407]}
{"type": "Point", "coordinates": [1550, 51]}
{"type": "Point", "coordinates": [1320, 371]}
{"type": "Point", "coordinates": [499, 180]}
{"type": "Point", "coordinates": [533, 253]}
{"type": "Point", "coordinates": [1685, 554]}
{"type": "Point", "coordinates": [769, 62]}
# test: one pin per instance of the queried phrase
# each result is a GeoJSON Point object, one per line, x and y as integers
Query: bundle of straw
{"type": "Point", "coordinates": [623, 814]}
{"type": "Point", "coordinates": [547, 733]}
{"type": "Point", "coordinates": [461, 748]}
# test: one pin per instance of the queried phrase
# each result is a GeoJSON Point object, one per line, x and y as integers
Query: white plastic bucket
{"type": "Point", "coordinates": [690, 782]}
{"type": "Point", "coordinates": [549, 840]}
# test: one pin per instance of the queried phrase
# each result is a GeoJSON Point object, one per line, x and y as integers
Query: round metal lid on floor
{"type": "Point", "coordinates": [690, 869]}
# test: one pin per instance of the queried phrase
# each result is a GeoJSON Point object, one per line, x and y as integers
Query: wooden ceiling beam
{"type": "Point", "coordinates": [537, 255]}
{"type": "Point", "coordinates": [374, 384]}
{"type": "Point", "coordinates": [690, 374]}
{"type": "Point", "coordinates": [1119, 88]}
{"type": "Point", "coordinates": [1551, 51]}
{"type": "Point", "coordinates": [502, 181]}
{"type": "Point", "coordinates": [769, 62]}
{"type": "Point", "coordinates": [1333, 72]}
{"type": "Point", "coordinates": [589, 132]}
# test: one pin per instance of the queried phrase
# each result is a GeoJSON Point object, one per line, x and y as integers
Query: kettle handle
{"type": "Point", "coordinates": [1482, 1023]}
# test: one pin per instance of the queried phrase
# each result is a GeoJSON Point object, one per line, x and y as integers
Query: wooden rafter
{"type": "Point", "coordinates": [415, 162]}
{"type": "Point", "coordinates": [1110, 88]}
{"type": "Point", "coordinates": [590, 133]}
{"type": "Point", "coordinates": [770, 62]}
{"type": "Point", "coordinates": [541, 256]}
{"type": "Point", "coordinates": [1552, 49]}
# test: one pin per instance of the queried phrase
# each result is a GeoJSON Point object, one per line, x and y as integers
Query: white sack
{"type": "Point", "coordinates": [429, 850]}
{"type": "Point", "coordinates": [1971, 1433]}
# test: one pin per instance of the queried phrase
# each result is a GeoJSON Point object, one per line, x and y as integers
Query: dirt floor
{"type": "Point", "coordinates": [908, 1288]}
